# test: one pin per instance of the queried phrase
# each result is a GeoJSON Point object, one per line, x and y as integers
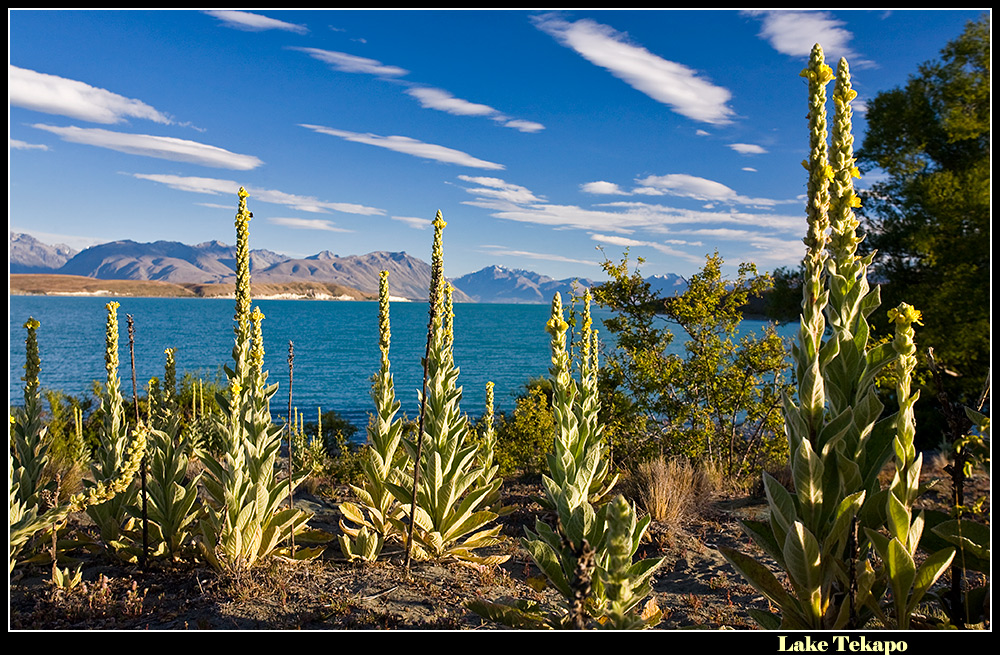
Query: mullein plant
{"type": "Point", "coordinates": [112, 517]}
{"type": "Point", "coordinates": [837, 442]}
{"type": "Point", "coordinates": [366, 523]}
{"type": "Point", "coordinates": [243, 523]}
{"type": "Point", "coordinates": [485, 455]}
{"type": "Point", "coordinates": [32, 513]}
{"type": "Point", "coordinates": [907, 581]}
{"type": "Point", "coordinates": [588, 556]}
{"type": "Point", "coordinates": [28, 445]}
{"type": "Point", "coordinates": [172, 497]}
{"type": "Point", "coordinates": [445, 502]}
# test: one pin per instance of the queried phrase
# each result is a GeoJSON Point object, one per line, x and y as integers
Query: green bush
{"type": "Point", "coordinates": [526, 435]}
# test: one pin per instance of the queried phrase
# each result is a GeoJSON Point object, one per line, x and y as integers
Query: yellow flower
{"type": "Point", "coordinates": [905, 315]}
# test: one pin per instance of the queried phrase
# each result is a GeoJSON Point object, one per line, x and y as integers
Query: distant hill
{"type": "Point", "coordinates": [324, 274]}
{"type": "Point", "coordinates": [166, 261]}
{"type": "Point", "coordinates": [29, 255]}
{"type": "Point", "coordinates": [500, 284]}
{"type": "Point", "coordinates": [667, 285]}
{"type": "Point", "coordinates": [214, 262]}
{"type": "Point", "coordinates": [409, 277]}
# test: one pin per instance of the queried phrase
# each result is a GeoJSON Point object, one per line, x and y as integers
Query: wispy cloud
{"type": "Point", "coordinates": [51, 94]}
{"type": "Point", "coordinates": [413, 221]}
{"type": "Point", "coordinates": [441, 100]}
{"type": "Point", "coordinates": [696, 188]}
{"type": "Point", "coordinates": [159, 147]}
{"type": "Point", "coordinates": [492, 187]}
{"type": "Point", "coordinates": [626, 242]}
{"type": "Point", "coordinates": [308, 224]}
{"type": "Point", "coordinates": [681, 185]}
{"type": "Point", "coordinates": [503, 251]}
{"type": "Point", "coordinates": [428, 97]}
{"type": "Point", "coordinates": [346, 63]}
{"type": "Point", "coordinates": [244, 20]}
{"type": "Point", "coordinates": [214, 186]}
{"type": "Point", "coordinates": [17, 144]}
{"type": "Point", "coordinates": [668, 82]}
{"type": "Point", "coordinates": [795, 32]}
{"type": "Point", "coordinates": [409, 146]}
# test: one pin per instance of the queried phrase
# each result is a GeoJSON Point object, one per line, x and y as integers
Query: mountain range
{"type": "Point", "coordinates": [214, 262]}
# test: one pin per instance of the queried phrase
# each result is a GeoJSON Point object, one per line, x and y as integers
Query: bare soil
{"type": "Point", "coordinates": [695, 587]}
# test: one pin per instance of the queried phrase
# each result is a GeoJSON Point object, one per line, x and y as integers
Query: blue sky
{"type": "Point", "coordinates": [539, 135]}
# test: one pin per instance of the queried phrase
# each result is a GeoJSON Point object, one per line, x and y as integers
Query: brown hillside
{"type": "Point", "coordinates": [50, 285]}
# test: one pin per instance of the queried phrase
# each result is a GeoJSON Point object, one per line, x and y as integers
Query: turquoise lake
{"type": "Point", "coordinates": [335, 345]}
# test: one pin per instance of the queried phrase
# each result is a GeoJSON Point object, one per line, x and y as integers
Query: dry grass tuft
{"type": "Point", "coordinates": [670, 491]}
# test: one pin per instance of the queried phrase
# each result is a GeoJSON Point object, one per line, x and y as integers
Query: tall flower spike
{"type": "Point", "coordinates": [257, 347]}
{"type": "Point", "coordinates": [384, 333]}
{"type": "Point", "coordinates": [111, 356]}
{"type": "Point", "coordinates": [32, 361]}
{"type": "Point", "coordinates": [844, 240]}
{"type": "Point", "coordinates": [242, 266]}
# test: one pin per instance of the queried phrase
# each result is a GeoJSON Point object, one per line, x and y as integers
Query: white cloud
{"type": "Point", "coordinates": [244, 20]}
{"type": "Point", "coordinates": [443, 101]}
{"type": "Point", "coordinates": [346, 63]}
{"type": "Point", "coordinates": [503, 251]}
{"type": "Point", "coordinates": [748, 148]}
{"type": "Point", "coordinates": [492, 187]}
{"type": "Point", "coordinates": [413, 221]}
{"type": "Point", "coordinates": [17, 144]}
{"type": "Point", "coordinates": [795, 32]}
{"type": "Point", "coordinates": [626, 242]}
{"type": "Point", "coordinates": [308, 224]}
{"type": "Point", "coordinates": [602, 188]}
{"type": "Point", "coordinates": [160, 147]}
{"type": "Point", "coordinates": [214, 186]}
{"type": "Point", "coordinates": [522, 125]}
{"type": "Point", "coordinates": [409, 146]}
{"type": "Point", "coordinates": [51, 94]}
{"type": "Point", "coordinates": [670, 83]}
{"type": "Point", "coordinates": [686, 186]}
{"type": "Point", "coordinates": [695, 188]}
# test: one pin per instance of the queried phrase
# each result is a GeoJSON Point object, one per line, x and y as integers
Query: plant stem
{"type": "Point", "coordinates": [288, 424]}
{"type": "Point", "coordinates": [142, 467]}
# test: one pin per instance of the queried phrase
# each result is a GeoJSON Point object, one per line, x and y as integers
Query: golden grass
{"type": "Point", "coordinates": [49, 284]}
{"type": "Point", "coordinates": [669, 490]}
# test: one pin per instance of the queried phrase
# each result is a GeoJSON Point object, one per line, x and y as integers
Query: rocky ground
{"type": "Point", "coordinates": [695, 587]}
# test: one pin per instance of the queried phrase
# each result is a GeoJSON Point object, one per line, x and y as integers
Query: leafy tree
{"type": "Point", "coordinates": [928, 220]}
{"type": "Point", "coordinates": [526, 434]}
{"type": "Point", "coordinates": [717, 398]}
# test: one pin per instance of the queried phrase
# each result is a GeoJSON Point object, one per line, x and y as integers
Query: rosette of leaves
{"type": "Point", "coordinates": [450, 514]}
{"type": "Point", "coordinates": [366, 522]}
{"type": "Point", "coordinates": [172, 506]}
{"type": "Point", "coordinates": [243, 522]}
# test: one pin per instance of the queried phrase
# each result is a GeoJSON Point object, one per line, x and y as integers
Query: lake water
{"type": "Point", "coordinates": [335, 343]}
